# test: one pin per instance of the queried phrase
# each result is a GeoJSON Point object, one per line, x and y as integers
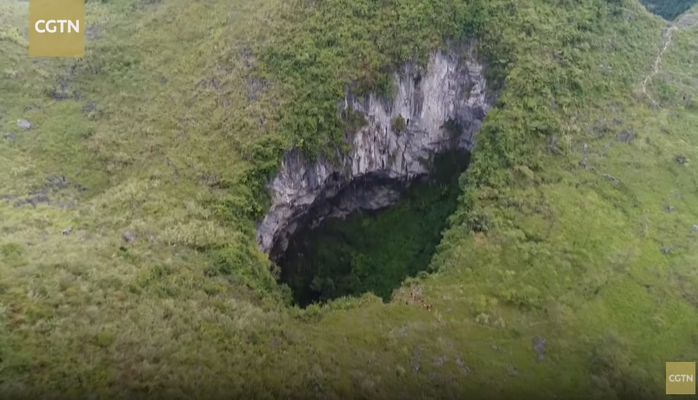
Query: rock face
{"type": "Point", "coordinates": [434, 110]}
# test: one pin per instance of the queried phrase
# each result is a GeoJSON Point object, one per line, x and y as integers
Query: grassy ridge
{"type": "Point", "coordinates": [189, 119]}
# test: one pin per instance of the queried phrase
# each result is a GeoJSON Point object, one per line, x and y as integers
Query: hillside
{"type": "Point", "coordinates": [132, 189]}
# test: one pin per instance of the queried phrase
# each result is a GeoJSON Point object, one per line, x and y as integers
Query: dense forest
{"type": "Point", "coordinates": [669, 9]}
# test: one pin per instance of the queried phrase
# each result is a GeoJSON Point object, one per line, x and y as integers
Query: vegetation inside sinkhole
{"type": "Point", "coordinates": [375, 251]}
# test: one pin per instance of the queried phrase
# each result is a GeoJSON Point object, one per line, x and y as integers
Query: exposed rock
{"type": "Point", "coordinates": [61, 93]}
{"type": "Point", "coordinates": [627, 136]}
{"type": "Point", "coordinates": [443, 106]}
{"type": "Point", "coordinates": [539, 345]}
{"type": "Point", "coordinates": [90, 107]}
{"type": "Point", "coordinates": [10, 136]}
{"type": "Point", "coordinates": [67, 231]}
{"type": "Point", "coordinates": [680, 159]}
{"type": "Point", "coordinates": [57, 182]}
{"type": "Point", "coordinates": [463, 366]}
{"type": "Point", "coordinates": [93, 32]}
{"type": "Point", "coordinates": [694, 229]}
{"type": "Point", "coordinates": [669, 208]}
{"type": "Point", "coordinates": [34, 200]}
{"type": "Point", "coordinates": [129, 237]}
{"type": "Point", "coordinates": [439, 362]}
{"type": "Point", "coordinates": [666, 250]}
{"type": "Point", "coordinates": [612, 178]}
{"type": "Point", "coordinates": [24, 124]}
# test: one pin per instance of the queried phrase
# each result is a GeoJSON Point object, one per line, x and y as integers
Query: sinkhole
{"type": "Point", "coordinates": [372, 250]}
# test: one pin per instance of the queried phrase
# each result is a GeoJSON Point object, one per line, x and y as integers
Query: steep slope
{"type": "Point", "coordinates": [129, 260]}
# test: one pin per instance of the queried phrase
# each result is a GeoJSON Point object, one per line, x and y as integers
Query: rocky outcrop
{"type": "Point", "coordinates": [435, 109]}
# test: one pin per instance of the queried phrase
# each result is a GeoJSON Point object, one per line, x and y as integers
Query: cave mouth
{"type": "Point", "coordinates": [373, 250]}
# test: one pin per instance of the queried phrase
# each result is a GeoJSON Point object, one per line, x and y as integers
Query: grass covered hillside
{"type": "Point", "coordinates": [131, 181]}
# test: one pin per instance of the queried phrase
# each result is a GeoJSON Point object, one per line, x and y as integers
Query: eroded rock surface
{"type": "Point", "coordinates": [438, 109]}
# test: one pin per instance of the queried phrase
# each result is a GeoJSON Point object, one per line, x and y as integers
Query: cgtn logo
{"type": "Point", "coordinates": [56, 28]}
{"type": "Point", "coordinates": [679, 378]}
{"type": "Point", "coordinates": [43, 26]}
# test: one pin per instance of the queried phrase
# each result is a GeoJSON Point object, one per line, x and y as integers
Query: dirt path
{"type": "Point", "coordinates": [684, 22]}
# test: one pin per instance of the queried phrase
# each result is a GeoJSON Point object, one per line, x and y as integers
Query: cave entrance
{"type": "Point", "coordinates": [374, 251]}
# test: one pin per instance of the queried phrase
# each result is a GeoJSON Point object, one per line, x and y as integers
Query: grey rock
{"type": "Point", "coordinates": [92, 32]}
{"type": "Point", "coordinates": [612, 178]}
{"type": "Point", "coordinates": [90, 107]}
{"type": "Point", "coordinates": [666, 250]}
{"type": "Point", "coordinates": [24, 124]}
{"type": "Point", "coordinates": [463, 366]}
{"type": "Point", "coordinates": [60, 95]}
{"type": "Point", "coordinates": [449, 90]}
{"type": "Point", "coordinates": [680, 160]}
{"type": "Point", "coordinates": [694, 229]}
{"type": "Point", "coordinates": [627, 136]}
{"type": "Point", "coordinates": [10, 136]}
{"type": "Point", "coordinates": [669, 208]}
{"type": "Point", "coordinates": [600, 129]}
{"type": "Point", "coordinates": [35, 200]}
{"type": "Point", "coordinates": [67, 231]}
{"type": "Point", "coordinates": [439, 362]}
{"type": "Point", "coordinates": [539, 346]}
{"type": "Point", "coordinates": [58, 182]}
{"type": "Point", "coordinates": [129, 237]}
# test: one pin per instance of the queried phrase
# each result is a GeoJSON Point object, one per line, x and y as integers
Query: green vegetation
{"type": "Point", "coordinates": [575, 221]}
{"type": "Point", "coordinates": [375, 252]}
{"type": "Point", "coordinates": [399, 124]}
{"type": "Point", "coordinates": [669, 9]}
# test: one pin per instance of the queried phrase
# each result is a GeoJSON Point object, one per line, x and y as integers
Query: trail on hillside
{"type": "Point", "coordinates": [686, 21]}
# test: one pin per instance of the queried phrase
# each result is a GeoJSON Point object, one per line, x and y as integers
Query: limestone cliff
{"type": "Point", "coordinates": [437, 108]}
